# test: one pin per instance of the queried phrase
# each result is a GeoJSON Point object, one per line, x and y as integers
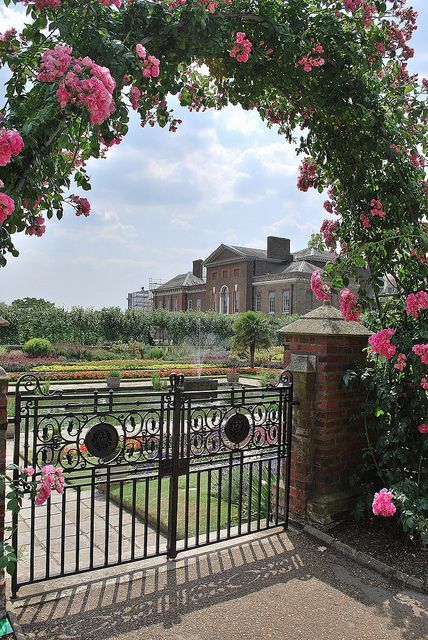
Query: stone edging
{"type": "Point", "coordinates": [366, 560]}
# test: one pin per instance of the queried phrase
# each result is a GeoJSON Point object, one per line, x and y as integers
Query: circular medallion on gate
{"type": "Point", "coordinates": [237, 428]}
{"type": "Point", "coordinates": [101, 440]}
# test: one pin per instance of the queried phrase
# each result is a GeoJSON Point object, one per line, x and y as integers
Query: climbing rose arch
{"type": "Point", "coordinates": [330, 75]}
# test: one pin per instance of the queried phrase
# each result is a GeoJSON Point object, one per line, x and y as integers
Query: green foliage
{"type": "Point", "coordinates": [252, 331]}
{"type": "Point", "coordinates": [37, 347]}
{"type": "Point", "coordinates": [268, 377]}
{"type": "Point", "coordinates": [155, 353]}
{"type": "Point", "coordinates": [15, 488]}
{"type": "Point", "coordinates": [114, 374]}
{"type": "Point", "coordinates": [158, 383]}
{"type": "Point", "coordinates": [127, 330]}
{"type": "Point", "coordinates": [395, 404]}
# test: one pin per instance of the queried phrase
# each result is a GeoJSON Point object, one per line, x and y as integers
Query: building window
{"type": "Point", "coordinates": [286, 301]}
{"type": "Point", "coordinates": [236, 273]}
{"type": "Point", "coordinates": [175, 303]}
{"type": "Point", "coordinates": [236, 300]}
{"type": "Point", "coordinates": [308, 301]}
{"type": "Point", "coordinates": [213, 304]}
{"type": "Point", "coordinates": [198, 304]}
{"type": "Point", "coordinates": [258, 304]}
{"type": "Point", "coordinates": [214, 275]}
{"type": "Point", "coordinates": [271, 306]}
{"type": "Point", "coordinates": [190, 305]}
{"type": "Point", "coordinates": [224, 299]}
{"type": "Point", "coordinates": [225, 274]}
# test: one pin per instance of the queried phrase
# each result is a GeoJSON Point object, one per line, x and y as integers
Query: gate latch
{"type": "Point", "coordinates": [166, 467]}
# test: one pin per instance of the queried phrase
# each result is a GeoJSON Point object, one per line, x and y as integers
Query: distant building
{"type": "Point", "coordinates": [142, 299]}
{"type": "Point", "coordinates": [271, 280]}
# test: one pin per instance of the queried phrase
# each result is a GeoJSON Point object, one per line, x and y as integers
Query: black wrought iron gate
{"type": "Point", "coordinates": [148, 473]}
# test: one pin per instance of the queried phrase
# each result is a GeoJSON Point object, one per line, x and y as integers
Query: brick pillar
{"type": "Point", "coordinates": [3, 428]}
{"type": "Point", "coordinates": [327, 442]}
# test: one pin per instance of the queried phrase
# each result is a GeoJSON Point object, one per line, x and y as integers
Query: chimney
{"type": "Point", "coordinates": [197, 268]}
{"type": "Point", "coordinates": [278, 249]}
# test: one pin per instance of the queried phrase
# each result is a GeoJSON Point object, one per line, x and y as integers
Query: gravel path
{"type": "Point", "coordinates": [278, 585]}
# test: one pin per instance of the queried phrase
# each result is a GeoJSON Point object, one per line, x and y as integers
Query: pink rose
{"type": "Point", "coordinates": [29, 471]}
{"type": "Point", "coordinates": [382, 504]}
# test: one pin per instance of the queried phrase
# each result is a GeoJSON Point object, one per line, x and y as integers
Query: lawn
{"type": "Point", "coordinates": [153, 490]}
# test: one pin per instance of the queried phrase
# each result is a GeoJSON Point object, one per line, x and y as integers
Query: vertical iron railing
{"type": "Point", "coordinates": [199, 482]}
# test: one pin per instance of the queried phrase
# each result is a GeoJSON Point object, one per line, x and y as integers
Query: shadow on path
{"type": "Point", "coordinates": [272, 581]}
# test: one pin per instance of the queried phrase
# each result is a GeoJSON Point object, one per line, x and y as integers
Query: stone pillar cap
{"type": "Point", "coordinates": [3, 322]}
{"type": "Point", "coordinates": [325, 320]}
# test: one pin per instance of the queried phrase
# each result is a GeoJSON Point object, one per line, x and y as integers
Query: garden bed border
{"type": "Point", "coordinates": [366, 560]}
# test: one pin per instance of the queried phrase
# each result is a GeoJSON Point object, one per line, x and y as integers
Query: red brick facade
{"type": "Point", "coordinates": [240, 278]}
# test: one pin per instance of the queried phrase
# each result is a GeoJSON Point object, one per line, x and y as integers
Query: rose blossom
{"type": "Point", "coordinates": [319, 288]}
{"type": "Point", "coordinates": [38, 228]}
{"type": "Point", "coordinates": [51, 478]}
{"type": "Point", "coordinates": [241, 48]}
{"type": "Point", "coordinates": [349, 308]}
{"type": "Point", "coordinates": [421, 350]}
{"type": "Point", "coordinates": [380, 343]}
{"type": "Point", "coordinates": [423, 428]}
{"type": "Point", "coordinates": [11, 144]}
{"type": "Point", "coordinates": [401, 363]}
{"type": "Point", "coordinates": [83, 205]}
{"type": "Point", "coordinates": [7, 206]}
{"type": "Point", "coordinates": [416, 302]}
{"type": "Point", "coordinates": [382, 504]}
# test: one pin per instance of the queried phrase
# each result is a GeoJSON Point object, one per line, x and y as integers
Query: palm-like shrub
{"type": "Point", "coordinates": [252, 331]}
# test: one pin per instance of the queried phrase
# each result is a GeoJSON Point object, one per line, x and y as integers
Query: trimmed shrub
{"type": "Point", "coordinates": [37, 347]}
{"type": "Point", "coordinates": [154, 353]}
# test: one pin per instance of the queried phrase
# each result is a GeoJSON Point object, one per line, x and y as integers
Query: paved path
{"type": "Point", "coordinates": [110, 527]}
{"type": "Point", "coordinates": [279, 586]}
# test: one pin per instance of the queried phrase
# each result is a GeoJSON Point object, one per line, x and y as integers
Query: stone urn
{"type": "Point", "coordinates": [113, 381]}
{"type": "Point", "coordinates": [232, 376]}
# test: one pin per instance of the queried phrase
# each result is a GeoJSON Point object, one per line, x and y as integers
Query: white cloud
{"type": "Point", "coordinates": [182, 222]}
{"type": "Point", "coordinates": [12, 17]}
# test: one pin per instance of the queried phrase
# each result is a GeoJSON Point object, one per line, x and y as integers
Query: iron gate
{"type": "Point", "coordinates": [148, 473]}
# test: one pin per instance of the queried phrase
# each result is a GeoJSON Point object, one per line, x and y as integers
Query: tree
{"type": "Point", "coordinates": [252, 331]}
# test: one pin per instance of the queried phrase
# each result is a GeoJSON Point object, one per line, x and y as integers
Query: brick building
{"type": "Point", "coordinates": [271, 280]}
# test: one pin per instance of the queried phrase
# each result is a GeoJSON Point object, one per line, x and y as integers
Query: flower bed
{"type": "Point", "coordinates": [28, 364]}
{"type": "Point", "coordinates": [144, 374]}
{"type": "Point", "coordinates": [108, 365]}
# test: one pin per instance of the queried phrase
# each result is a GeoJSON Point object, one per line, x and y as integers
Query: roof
{"type": "Point", "coordinates": [301, 266]}
{"type": "Point", "coordinates": [182, 280]}
{"type": "Point", "coordinates": [308, 252]}
{"type": "Point", "coordinates": [248, 251]}
{"type": "Point", "coordinates": [325, 321]}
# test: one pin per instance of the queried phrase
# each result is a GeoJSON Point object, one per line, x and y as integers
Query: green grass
{"type": "Point", "coordinates": [153, 504]}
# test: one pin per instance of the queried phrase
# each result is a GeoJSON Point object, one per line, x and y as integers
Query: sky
{"type": "Point", "coordinates": [161, 200]}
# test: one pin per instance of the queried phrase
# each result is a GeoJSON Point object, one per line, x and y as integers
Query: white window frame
{"type": "Point", "coordinates": [224, 300]}
{"type": "Point", "coordinates": [271, 298]}
{"type": "Point", "coordinates": [286, 301]}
